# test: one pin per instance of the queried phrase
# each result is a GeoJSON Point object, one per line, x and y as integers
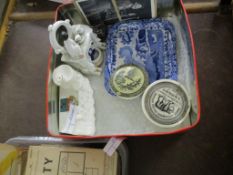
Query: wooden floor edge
{"type": "Point", "coordinates": [4, 26]}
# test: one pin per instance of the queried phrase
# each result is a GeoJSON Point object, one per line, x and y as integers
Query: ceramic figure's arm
{"type": "Point", "coordinates": [53, 35]}
{"type": "Point", "coordinates": [73, 49]}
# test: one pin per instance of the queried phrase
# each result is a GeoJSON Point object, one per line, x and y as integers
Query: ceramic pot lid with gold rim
{"type": "Point", "coordinates": [129, 81]}
{"type": "Point", "coordinates": [166, 103]}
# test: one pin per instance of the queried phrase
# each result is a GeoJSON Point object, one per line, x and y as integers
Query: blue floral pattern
{"type": "Point", "coordinates": [149, 43]}
{"type": "Point", "coordinates": [126, 37]}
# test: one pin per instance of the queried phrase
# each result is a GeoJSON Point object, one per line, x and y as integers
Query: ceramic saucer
{"type": "Point", "coordinates": [129, 81]}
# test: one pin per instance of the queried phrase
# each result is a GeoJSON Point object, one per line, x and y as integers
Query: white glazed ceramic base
{"type": "Point", "coordinates": [72, 83]}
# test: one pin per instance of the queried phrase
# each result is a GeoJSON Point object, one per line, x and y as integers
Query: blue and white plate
{"type": "Point", "coordinates": [149, 43]}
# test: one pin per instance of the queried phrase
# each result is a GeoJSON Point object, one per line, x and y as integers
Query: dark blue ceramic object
{"type": "Point", "coordinates": [149, 43]}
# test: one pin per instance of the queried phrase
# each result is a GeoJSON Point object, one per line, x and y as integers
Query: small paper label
{"type": "Point", "coordinates": [112, 145]}
{"type": "Point", "coordinates": [71, 119]}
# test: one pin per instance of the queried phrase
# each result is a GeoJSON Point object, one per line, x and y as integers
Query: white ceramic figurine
{"type": "Point", "coordinates": [79, 45]}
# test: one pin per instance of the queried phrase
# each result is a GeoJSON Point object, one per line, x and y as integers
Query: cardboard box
{"type": "Point", "coordinates": [61, 160]}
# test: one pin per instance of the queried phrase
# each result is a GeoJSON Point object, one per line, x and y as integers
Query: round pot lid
{"type": "Point", "coordinates": [166, 103]}
{"type": "Point", "coordinates": [129, 81]}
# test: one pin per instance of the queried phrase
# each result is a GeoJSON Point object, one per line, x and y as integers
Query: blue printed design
{"type": "Point", "coordinates": [149, 43]}
{"type": "Point", "coordinates": [126, 37]}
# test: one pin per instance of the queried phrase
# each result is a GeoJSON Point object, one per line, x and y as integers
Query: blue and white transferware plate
{"type": "Point", "coordinates": [149, 43]}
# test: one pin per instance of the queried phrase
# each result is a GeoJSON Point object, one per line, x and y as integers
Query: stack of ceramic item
{"type": "Point", "coordinates": [141, 52]}
{"type": "Point", "coordinates": [149, 44]}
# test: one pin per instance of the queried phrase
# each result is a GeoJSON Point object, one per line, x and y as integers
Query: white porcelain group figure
{"type": "Point", "coordinates": [83, 50]}
{"type": "Point", "coordinates": [81, 118]}
{"type": "Point", "coordinates": [81, 47]}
